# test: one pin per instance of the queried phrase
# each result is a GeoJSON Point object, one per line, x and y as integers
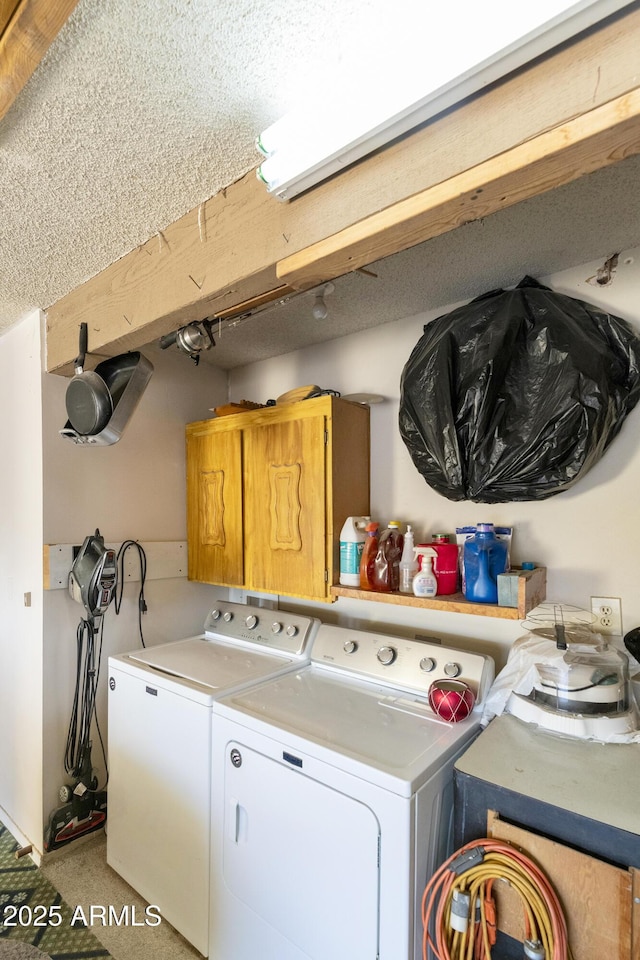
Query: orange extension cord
{"type": "Point", "coordinates": [470, 872]}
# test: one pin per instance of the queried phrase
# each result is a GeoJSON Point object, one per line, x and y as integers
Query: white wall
{"type": "Point", "coordinates": [20, 573]}
{"type": "Point", "coordinates": [56, 492]}
{"type": "Point", "coordinates": [587, 537]}
{"type": "Point", "coordinates": [134, 489]}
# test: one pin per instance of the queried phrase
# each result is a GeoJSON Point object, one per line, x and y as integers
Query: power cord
{"type": "Point", "coordinates": [117, 597]}
{"type": "Point", "coordinates": [77, 757]}
{"type": "Point", "coordinates": [458, 909]}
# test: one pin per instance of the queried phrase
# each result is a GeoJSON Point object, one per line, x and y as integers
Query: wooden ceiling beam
{"type": "Point", "coordinates": [523, 136]}
{"type": "Point", "coordinates": [27, 30]}
{"type": "Point", "coordinates": [590, 142]}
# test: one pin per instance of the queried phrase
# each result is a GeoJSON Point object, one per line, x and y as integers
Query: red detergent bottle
{"type": "Point", "coordinates": [445, 563]}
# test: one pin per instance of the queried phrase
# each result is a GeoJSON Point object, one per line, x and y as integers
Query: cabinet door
{"type": "Point", "coordinates": [285, 508]}
{"type": "Point", "coordinates": [214, 506]}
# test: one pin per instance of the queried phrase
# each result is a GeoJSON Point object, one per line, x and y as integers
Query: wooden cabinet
{"type": "Point", "coordinates": [599, 899]}
{"type": "Point", "coordinates": [268, 491]}
{"type": "Point", "coordinates": [571, 805]}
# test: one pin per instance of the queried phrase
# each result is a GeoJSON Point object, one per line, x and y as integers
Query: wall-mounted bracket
{"type": "Point", "coordinates": [166, 560]}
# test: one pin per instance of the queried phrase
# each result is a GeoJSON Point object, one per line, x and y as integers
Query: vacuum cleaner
{"type": "Point", "coordinates": [92, 581]}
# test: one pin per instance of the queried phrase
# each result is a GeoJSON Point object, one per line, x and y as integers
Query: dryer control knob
{"type": "Point", "coordinates": [227, 616]}
{"type": "Point", "coordinates": [215, 614]}
{"type": "Point", "coordinates": [350, 646]}
{"type": "Point", "coordinates": [251, 622]}
{"type": "Point", "coordinates": [452, 669]}
{"type": "Point", "coordinates": [386, 655]}
{"type": "Point", "coordinates": [276, 627]}
{"type": "Point", "coordinates": [427, 664]}
{"type": "Point", "coordinates": [292, 630]}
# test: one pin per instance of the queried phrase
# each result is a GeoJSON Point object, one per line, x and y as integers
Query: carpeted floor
{"type": "Point", "coordinates": [35, 921]}
{"type": "Point", "coordinates": [69, 885]}
{"type": "Point", "coordinates": [20, 951]}
{"type": "Point", "coordinates": [83, 877]}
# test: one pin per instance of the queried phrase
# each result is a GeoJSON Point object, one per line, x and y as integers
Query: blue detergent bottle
{"type": "Point", "coordinates": [484, 557]}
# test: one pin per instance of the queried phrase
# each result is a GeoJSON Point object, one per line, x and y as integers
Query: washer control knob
{"type": "Point", "coordinates": [452, 669]}
{"type": "Point", "coordinates": [276, 627]}
{"type": "Point", "coordinates": [386, 655]}
{"type": "Point", "coordinates": [227, 616]}
{"type": "Point", "coordinates": [251, 621]}
{"type": "Point", "coordinates": [292, 630]}
{"type": "Point", "coordinates": [215, 614]}
{"type": "Point", "coordinates": [350, 646]}
{"type": "Point", "coordinates": [427, 664]}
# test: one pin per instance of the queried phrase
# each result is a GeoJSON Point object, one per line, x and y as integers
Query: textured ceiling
{"type": "Point", "coordinates": [140, 111]}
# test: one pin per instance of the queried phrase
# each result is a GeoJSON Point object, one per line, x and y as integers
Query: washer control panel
{"type": "Point", "coordinates": [261, 626]}
{"type": "Point", "coordinates": [404, 663]}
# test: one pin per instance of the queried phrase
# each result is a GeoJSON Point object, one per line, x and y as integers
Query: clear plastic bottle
{"type": "Point", "coordinates": [408, 564]}
{"type": "Point", "coordinates": [386, 567]}
{"type": "Point", "coordinates": [368, 556]}
{"type": "Point", "coordinates": [484, 557]}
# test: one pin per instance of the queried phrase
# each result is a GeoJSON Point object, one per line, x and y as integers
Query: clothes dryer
{"type": "Point", "coordinates": [160, 699]}
{"type": "Point", "coordinates": [333, 800]}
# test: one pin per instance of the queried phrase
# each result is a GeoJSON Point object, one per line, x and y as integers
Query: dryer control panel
{"type": "Point", "coordinates": [400, 662]}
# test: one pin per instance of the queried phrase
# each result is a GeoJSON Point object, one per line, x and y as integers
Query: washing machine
{"type": "Point", "coordinates": [159, 791]}
{"type": "Point", "coordinates": [333, 800]}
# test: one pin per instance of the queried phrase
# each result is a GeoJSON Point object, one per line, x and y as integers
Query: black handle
{"type": "Point", "coordinates": [83, 340]}
{"type": "Point", "coordinates": [168, 340]}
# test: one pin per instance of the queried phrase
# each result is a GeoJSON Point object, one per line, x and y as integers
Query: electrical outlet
{"type": "Point", "coordinates": [608, 614]}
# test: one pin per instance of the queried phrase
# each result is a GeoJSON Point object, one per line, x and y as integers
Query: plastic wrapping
{"type": "Point", "coordinates": [517, 394]}
{"type": "Point", "coordinates": [532, 656]}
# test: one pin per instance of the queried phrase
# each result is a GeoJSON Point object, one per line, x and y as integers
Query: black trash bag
{"type": "Point", "coordinates": [517, 394]}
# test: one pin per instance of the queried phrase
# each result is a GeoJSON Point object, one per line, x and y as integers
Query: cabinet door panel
{"type": "Point", "coordinates": [214, 497]}
{"type": "Point", "coordinates": [285, 514]}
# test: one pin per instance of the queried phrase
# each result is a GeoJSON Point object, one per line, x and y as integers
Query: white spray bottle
{"type": "Point", "coordinates": [409, 565]}
{"type": "Point", "coordinates": [424, 582]}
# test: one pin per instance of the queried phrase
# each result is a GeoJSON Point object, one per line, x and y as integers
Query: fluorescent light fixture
{"type": "Point", "coordinates": [483, 42]}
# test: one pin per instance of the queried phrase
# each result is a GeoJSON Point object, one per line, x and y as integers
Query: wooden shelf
{"type": "Point", "coordinates": [532, 586]}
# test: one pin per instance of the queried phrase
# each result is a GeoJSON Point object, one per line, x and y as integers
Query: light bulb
{"type": "Point", "coordinates": [319, 310]}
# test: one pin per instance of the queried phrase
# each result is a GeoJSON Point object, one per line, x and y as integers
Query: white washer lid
{"type": "Point", "coordinates": [393, 733]}
{"type": "Point", "coordinates": [218, 666]}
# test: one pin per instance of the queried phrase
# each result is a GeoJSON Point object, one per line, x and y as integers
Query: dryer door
{"type": "Point", "coordinates": [301, 855]}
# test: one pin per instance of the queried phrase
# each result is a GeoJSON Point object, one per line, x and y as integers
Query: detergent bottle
{"type": "Point", "coordinates": [352, 537]}
{"type": "Point", "coordinates": [409, 565]}
{"type": "Point", "coordinates": [424, 582]}
{"type": "Point", "coordinates": [445, 564]}
{"type": "Point", "coordinates": [368, 556]}
{"type": "Point", "coordinates": [483, 557]}
{"type": "Point", "coordinates": [386, 566]}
